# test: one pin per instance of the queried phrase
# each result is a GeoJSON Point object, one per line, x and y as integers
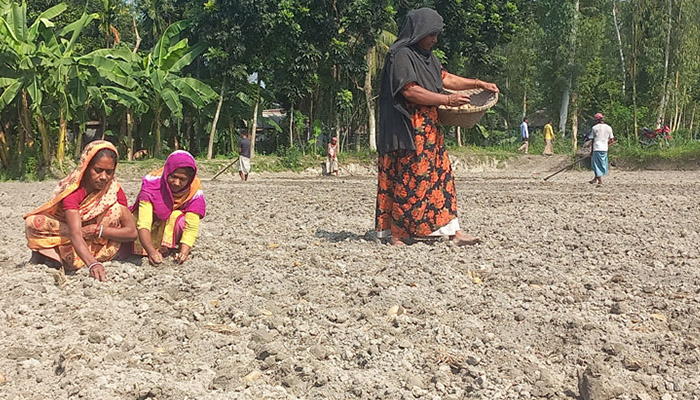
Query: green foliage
{"type": "Point", "coordinates": [74, 61]}
{"type": "Point", "coordinates": [291, 158]}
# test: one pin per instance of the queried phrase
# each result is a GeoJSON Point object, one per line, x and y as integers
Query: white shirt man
{"type": "Point", "coordinates": [602, 134]}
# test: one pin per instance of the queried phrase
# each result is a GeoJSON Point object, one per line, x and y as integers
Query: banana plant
{"type": "Point", "coordinates": [163, 83]}
{"type": "Point", "coordinates": [21, 55]}
{"type": "Point", "coordinates": [111, 83]}
{"type": "Point", "coordinates": [64, 78]}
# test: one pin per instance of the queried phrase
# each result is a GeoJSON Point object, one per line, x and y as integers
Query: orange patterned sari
{"type": "Point", "coordinates": [46, 227]}
{"type": "Point", "coordinates": [416, 194]}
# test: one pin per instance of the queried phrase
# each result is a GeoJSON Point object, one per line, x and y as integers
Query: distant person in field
{"type": "Point", "coordinates": [244, 156]}
{"type": "Point", "coordinates": [332, 157]}
{"type": "Point", "coordinates": [602, 136]}
{"type": "Point", "coordinates": [525, 136]}
{"type": "Point", "coordinates": [416, 194]}
{"type": "Point", "coordinates": [548, 139]}
{"type": "Point", "coordinates": [168, 209]}
{"type": "Point", "coordinates": [87, 219]}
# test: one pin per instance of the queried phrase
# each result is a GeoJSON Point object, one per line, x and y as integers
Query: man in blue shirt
{"type": "Point", "coordinates": [525, 136]}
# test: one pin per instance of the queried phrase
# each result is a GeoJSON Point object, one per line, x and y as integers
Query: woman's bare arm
{"type": "Point", "coordinates": [419, 95]}
{"type": "Point", "coordinates": [76, 232]}
{"type": "Point", "coordinates": [456, 82]}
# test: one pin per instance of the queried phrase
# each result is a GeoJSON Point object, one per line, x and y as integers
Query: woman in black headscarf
{"type": "Point", "coordinates": [416, 192]}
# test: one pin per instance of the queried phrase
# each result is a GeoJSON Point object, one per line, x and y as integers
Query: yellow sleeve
{"type": "Point", "coordinates": [191, 229]}
{"type": "Point", "coordinates": [145, 219]}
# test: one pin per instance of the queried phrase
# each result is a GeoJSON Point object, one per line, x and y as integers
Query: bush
{"type": "Point", "coordinates": [291, 158]}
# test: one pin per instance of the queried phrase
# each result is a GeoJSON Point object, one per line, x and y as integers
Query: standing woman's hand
{"type": "Point", "coordinates": [457, 99]}
{"type": "Point", "coordinates": [489, 86]}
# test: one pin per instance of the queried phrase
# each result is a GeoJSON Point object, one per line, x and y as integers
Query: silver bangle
{"type": "Point", "coordinates": [94, 264]}
{"type": "Point", "coordinates": [100, 235]}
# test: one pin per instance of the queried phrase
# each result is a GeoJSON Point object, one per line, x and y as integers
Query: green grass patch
{"type": "Point", "coordinates": [672, 150]}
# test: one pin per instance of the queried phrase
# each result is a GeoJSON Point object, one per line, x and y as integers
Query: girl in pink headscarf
{"type": "Point", "coordinates": [168, 209]}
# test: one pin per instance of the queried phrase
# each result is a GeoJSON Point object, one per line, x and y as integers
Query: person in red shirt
{"type": "Point", "coordinates": [87, 219]}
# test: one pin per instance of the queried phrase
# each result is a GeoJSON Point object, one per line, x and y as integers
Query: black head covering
{"type": "Point", "coordinates": [406, 63]}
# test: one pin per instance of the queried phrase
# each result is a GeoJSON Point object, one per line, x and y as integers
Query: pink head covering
{"type": "Point", "coordinates": [155, 189]}
{"type": "Point", "coordinates": [598, 117]}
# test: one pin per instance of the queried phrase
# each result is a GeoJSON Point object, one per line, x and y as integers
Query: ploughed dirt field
{"type": "Point", "coordinates": [577, 291]}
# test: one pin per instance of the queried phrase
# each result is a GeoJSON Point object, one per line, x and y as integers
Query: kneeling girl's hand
{"type": "Point", "coordinates": [155, 258]}
{"type": "Point", "coordinates": [184, 254]}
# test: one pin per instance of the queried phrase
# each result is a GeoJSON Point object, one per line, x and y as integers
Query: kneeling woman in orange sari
{"type": "Point", "coordinates": [168, 209]}
{"type": "Point", "coordinates": [87, 218]}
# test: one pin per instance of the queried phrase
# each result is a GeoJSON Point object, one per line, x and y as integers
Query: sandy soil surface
{"type": "Point", "coordinates": [577, 292]}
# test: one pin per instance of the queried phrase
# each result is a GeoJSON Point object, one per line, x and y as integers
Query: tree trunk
{"type": "Point", "coordinates": [291, 125]}
{"type": "Point", "coordinates": [619, 43]}
{"type": "Point", "coordinates": [506, 98]}
{"type": "Point", "coordinates": [459, 136]}
{"type": "Point", "coordinates": [43, 126]}
{"type": "Point", "coordinates": [26, 133]}
{"type": "Point", "coordinates": [564, 110]}
{"type": "Point", "coordinates": [122, 135]}
{"type": "Point", "coordinates": [369, 57]}
{"type": "Point", "coordinates": [79, 141]}
{"type": "Point", "coordinates": [103, 123]}
{"type": "Point", "coordinates": [565, 98]}
{"type": "Point", "coordinates": [635, 50]}
{"type": "Point", "coordinates": [210, 148]}
{"type": "Point", "coordinates": [188, 133]}
{"type": "Point", "coordinates": [692, 120]}
{"type": "Point", "coordinates": [524, 103]}
{"type": "Point", "coordinates": [676, 114]}
{"type": "Point", "coordinates": [232, 134]}
{"type": "Point", "coordinates": [129, 135]}
{"type": "Point", "coordinates": [254, 124]}
{"type": "Point", "coordinates": [4, 147]}
{"type": "Point", "coordinates": [337, 127]}
{"type": "Point", "coordinates": [136, 33]}
{"type": "Point", "coordinates": [667, 52]}
{"type": "Point", "coordinates": [574, 121]}
{"type": "Point", "coordinates": [310, 125]}
{"type": "Point", "coordinates": [156, 131]}
{"type": "Point", "coordinates": [62, 129]}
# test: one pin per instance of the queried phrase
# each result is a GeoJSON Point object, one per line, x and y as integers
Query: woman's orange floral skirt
{"type": "Point", "coordinates": [416, 192]}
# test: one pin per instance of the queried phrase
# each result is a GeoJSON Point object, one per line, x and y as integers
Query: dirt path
{"type": "Point", "coordinates": [288, 281]}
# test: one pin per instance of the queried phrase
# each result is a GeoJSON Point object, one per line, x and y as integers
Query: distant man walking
{"type": "Point", "coordinates": [244, 156]}
{"type": "Point", "coordinates": [602, 136]}
{"type": "Point", "coordinates": [548, 138]}
{"type": "Point", "coordinates": [525, 134]}
{"type": "Point", "coordinates": [332, 157]}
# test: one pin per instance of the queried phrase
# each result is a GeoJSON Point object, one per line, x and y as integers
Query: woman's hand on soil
{"type": "Point", "coordinates": [98, 272]}
{"type": "Point", "coordinates": [155, 257]}
{"type": "Point", "coordinates": [183, 255]}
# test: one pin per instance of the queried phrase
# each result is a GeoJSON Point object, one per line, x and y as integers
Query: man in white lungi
{"type": "Point", "coordinates": [244, 156]}
{"type": "Point", "coordinates": [332, 157]}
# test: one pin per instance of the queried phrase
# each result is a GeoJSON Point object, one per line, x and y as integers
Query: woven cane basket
{"type": "Point", "coordinates": [468, 115]}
